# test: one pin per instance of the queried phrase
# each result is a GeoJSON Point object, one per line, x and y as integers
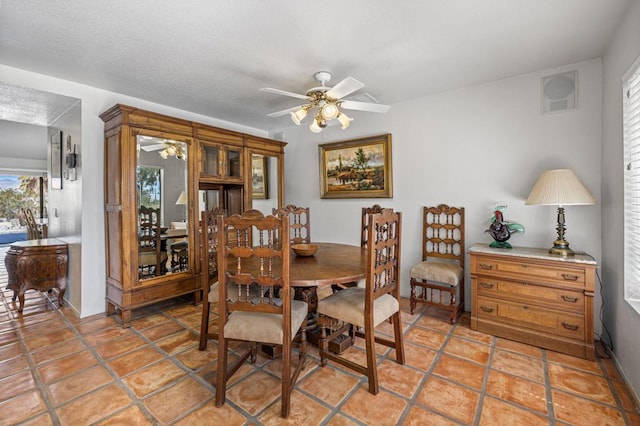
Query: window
{"type": "Point", "coordinates": [631, 120]}
{"type": "Point", "coordinates": [150, 180]}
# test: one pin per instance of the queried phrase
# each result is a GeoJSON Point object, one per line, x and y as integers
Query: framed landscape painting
{"type": "Point", "coordinates": [359, 168]}
{"type": "Point", "coordinates": [259, 186]}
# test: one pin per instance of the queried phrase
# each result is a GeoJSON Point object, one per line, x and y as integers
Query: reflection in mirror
{"type": "Point", "coordinates": [162, 190]}
{"type": "Point", "coordinates": [264, 171]}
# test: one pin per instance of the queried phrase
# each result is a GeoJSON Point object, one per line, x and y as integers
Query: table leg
{"type": "Point", "coordinates": [310, 295]}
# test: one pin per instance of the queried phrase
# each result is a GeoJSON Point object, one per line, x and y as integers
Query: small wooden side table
{"type": "Point", "coordinates": [39, 265]}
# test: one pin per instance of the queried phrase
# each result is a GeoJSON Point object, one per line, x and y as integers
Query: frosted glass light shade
{"type": "Point", "coordinates": [329, 111]}
{"type": "Point", "coordinates": [299, 115]}
{"type": "Point", "coordinates": [344, 120]}
{"type": "Point", "coordinates": [559, 188]}
{"type": "Point", "coordinates": [315, 126]}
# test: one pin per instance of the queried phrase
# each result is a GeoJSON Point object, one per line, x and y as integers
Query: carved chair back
{"type": "Point", "coordinates": [299, 223]}
{"type": "Point", "coordinates": [443, 233]}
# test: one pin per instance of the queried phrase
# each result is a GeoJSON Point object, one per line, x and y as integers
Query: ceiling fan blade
{"type": "Point", "coordinates": [284, 92]}
{"type": "Point", "coordinates": [154, 147]}
{"type": "Point", "coordinates": [344, 88]}
{"type": "Point", "coordinates": [365, 106]}
{"type": "Point", "coordinates": [284, 111]}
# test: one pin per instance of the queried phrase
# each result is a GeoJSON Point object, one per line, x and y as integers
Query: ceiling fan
{"type": "Point", "coordinates": [326, 102]}
{"type": "Point", "coordinates": [166, 147]}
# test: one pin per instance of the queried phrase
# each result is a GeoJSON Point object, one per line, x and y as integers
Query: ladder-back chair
{"type": "Point", "coordinates": [249, 251]}
{"type": "Point", "coordinates": [439, 279]}
{"type": "Point", "coordinates": [365, 308]}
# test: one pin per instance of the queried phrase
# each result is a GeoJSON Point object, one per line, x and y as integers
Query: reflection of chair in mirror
{"type": "Point", "coordinates": [262, 319]}
{"type": "Point", "coordinates": [178, 246]}
{"type": "Point", "coordinates": [440, 275]}
{"type": "Point", "coordinates": [299, 223]}
{"type": "Point", "coordinates": [356, 309]}
{"type": "Point", "coordinates": [151, 258]}
{"type": "Point", "coordinates": [179, 256]}
{"type": "Point", "coordinates": [209, 267]}
{"type": "Point", "coordinates": [34, 232]}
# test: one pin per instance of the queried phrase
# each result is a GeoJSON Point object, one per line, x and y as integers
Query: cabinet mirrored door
{"type": "Point", "coordinates": [162, 206]}
{"type": "Point", "coordinates": [264, 182]}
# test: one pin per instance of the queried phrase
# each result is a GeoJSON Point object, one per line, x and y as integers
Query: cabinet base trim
{"type": "Point", "coordinates": [530, 337]}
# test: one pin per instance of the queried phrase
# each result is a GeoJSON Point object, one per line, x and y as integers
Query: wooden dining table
{"type": "Point", "coordinates": [333, 263]}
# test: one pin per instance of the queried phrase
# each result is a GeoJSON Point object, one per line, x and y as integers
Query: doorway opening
{"type": "Point", "coordinates": [17, 194]}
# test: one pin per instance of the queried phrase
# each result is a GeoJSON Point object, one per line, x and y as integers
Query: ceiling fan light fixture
{"type": "Point", "coordinates": [327, 102]}
{"type": "Point", "coordinates": [329, 111]}
{"type": "Point", "coordinates": [344, 119]}
{"type": "Point", "coordinates": [299, 115]}
{"type": "Point", "coordinates": [164, 154]}
{"type": "Point", "coordinates": [315, 126]}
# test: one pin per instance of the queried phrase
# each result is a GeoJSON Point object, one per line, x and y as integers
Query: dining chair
{"type": "Point", "coordinates": [210, 226]}
{"type": "Point", "coordinates": [364, 232]}
{"type": "Point", "coordinates": [151, 258]}
{"type": "Point", "coordinates": [438, 280]}
{"type": "Point", "coordinates": [358, 311]}
{"type": "Point", "coordinates": [251, 255]}
{"type": "Point", "coordinates": [299, 223]}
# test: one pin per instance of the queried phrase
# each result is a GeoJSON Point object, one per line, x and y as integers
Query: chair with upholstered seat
{"type": "Point", "coordinates": [438, 280]}
{"type": "Point", "coordinates": [365, 308]}
{"type": "Point", "coordinates": [364, 235]}
{"type": "Point", "coordinates": [299, 223]}
{"type": "Point", "coordinates": [249, 252]}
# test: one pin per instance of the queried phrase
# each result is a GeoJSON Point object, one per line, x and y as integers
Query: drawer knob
{"type": "Point", "coordinates": [570, 326]}
{"type": "Point", "coordinates": [486, 309]}
{"type": "Point", "coordinates": [569, 299]}
{"type": "Point", "coordinates": [485, 266]}
{"type": "Point", "coordinates": [486, 285]}
{"type": "Point", "coordinates": [570, 277]}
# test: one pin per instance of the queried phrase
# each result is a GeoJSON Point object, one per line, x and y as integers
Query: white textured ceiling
{"type": "Point", "coordinates": [211, 57]}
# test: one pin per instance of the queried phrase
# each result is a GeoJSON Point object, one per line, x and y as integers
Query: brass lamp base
{"type": "Point", "coordinates": [561, 248]}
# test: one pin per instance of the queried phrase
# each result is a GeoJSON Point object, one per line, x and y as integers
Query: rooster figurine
{"type": "Point", "coordinates": [501, 230]}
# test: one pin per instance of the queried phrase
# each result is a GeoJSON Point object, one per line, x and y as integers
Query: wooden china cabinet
{"type": "Point", "coordinates": [158, 162]}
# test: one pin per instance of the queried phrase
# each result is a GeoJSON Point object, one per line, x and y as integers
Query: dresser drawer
{"type": "Point", "coordinates": [528, 270]}
{"type": "Point", "coordinates": [550, 321]}
{"type": "Point", "coordinates": [560, 298]}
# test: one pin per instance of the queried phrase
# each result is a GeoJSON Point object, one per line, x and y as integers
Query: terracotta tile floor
{"type": "Point", "coordinates": [58, 369]}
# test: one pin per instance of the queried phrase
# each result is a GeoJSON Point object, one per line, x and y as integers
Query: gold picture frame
{"type": "Point", "coordinates": [358, 168]}
{"type": "Point", "coordinates": [259, 175]}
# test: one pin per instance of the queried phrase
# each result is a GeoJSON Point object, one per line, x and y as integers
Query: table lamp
{"type": "Point", "coordinates": [562, 188]}
{"type": "Point", "coordinates": [182, 199]}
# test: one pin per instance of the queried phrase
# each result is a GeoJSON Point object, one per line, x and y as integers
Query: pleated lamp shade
{"type": "Point", "coordinates": [182, 199]}
{"type": "Point", "coordinates": [559, 188]}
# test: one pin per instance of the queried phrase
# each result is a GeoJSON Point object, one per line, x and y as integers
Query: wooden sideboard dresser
{"type": "Point", "coordinates": [531, 296]}
{"type": "Point", "coordinates": [36, 264]}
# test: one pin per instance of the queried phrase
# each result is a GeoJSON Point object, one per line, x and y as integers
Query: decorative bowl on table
{"type": "Point", "coordinates": [304, 249]}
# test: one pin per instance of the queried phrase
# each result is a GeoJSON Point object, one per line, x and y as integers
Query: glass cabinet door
{"type": "Point", "coordinates": [221, 162]}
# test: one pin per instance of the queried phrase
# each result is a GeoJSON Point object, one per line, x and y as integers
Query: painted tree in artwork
{"type": "Point", "coordinates": [361, 161]}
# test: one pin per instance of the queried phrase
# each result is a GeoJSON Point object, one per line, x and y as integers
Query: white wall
{"type": "Point", "coordinates": [22, 148]}
{"type": "Point", "coordinates": [621, 320]}
{"type": "Point", "coordinates": [64, 206]}
{"type": "Point", "coordinates": [94, 102]}
{"type": "Point", "coordinates": [476, 147]}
